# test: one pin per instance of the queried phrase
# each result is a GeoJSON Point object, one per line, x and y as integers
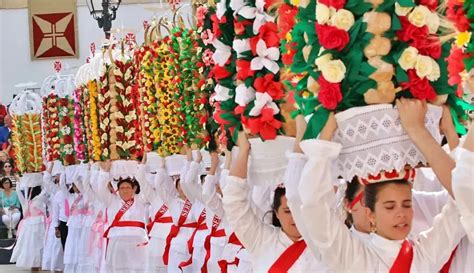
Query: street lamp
{"type": "Point", "coordinates": [104, 11]}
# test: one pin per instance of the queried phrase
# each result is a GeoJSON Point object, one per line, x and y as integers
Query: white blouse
{"type": "Point", "coordinates": [264, 242]}
{"type": "Point", "coordinates": [339, 248]}
{"type": "Point", "coordinates": [463, 188]}
{"type": "Point", "coordinates": [137, 212]}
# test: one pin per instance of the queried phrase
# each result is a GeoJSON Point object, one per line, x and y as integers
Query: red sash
{"type": "Point", "coordinates": [159, 218]}
{"type": "Point", "coordinates": [288, 258]}
{"type": "Point", "coordinates": [74, 210]}
{"type": "Point", "coordinates": [200, 225]}
{"type": "Point", "coordinates": [216, 221]}
{"type": "Point", "coordinates": [117, 223]}
{"type": "Point", "coordinates": [404, 259]}
{"type": "Point", "coordinates": [175, 229]}
{"type": "Point", "coordinates": [447, 265]}
{"type": "Point", "coordinates": [224, 264]}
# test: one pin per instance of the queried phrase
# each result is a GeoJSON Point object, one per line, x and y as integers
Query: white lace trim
{"type": "Point", "coordinates": [374, 140]}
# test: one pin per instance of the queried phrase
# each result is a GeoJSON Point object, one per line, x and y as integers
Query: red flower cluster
{"type": "Point", "coordinates": [269, 34]}
{"type": "Point", "coordinates": [265, 125]}
{"type": "Point", "coordinates": [330, 94]}
{"type": "Point", "coordinates": [337, 4]}
{"type": "Point", "coordinates": [455, 13]}
{"type": "Point", "coordinates": [455, 67]}
{"type": "Point", "coordinates": [286, 19]}
{"type": "Point", "coordinates": [266, 84]}
{"type": "Point", "coordinates": [419, 38]}
{"type": "Point", "coordinates": [331, 37]}
{"type": "Point", "coordinates": [419, 88]}
{"type": "Point", "coordinates": [430, 4]}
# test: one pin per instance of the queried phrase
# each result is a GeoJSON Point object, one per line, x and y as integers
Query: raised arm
{"type": "Point", "coordinates": [209, 193]}
{"type": "Point", "coordinates": [191, 184]}
{"type": "Point", "coordinates": [250, 230]}
{"type": "Point", "coordinates": [103, 179]}
{"type": "Point", "coordinates": [463, 186]}
{"type": "Point", "coordinates": [326, 234]}
{"type": "Point", "coordinates": [412, 115]}
{"type": "Point", "coordinates": [164, 184]}
{"type": "Point", "coordinates": [146, 191]}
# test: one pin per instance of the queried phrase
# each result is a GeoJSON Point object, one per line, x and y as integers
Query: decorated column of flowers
{"type": "Point", "coordinates": [26, 132]}
{"type": "Point", "coordinates": [145, 61]}
{"type": "Point", "coordinates": [26, 139]}
{"type": "Point", "coordinates": [51, 126]}
{"type": "Point", "coordinates": [205, 64]}
{"type": "Point", "coordinates": [330, 41]}
{"type": "Point", "coordinates": [104, 104]}
{"type": "Point", "coordinates": [460, 60]}
{"type": "Point", "coordinates": [80, 125]}
{"type": "Point", "coordinates": [421, 65]}
{"type": "Point", "coordinates": [258, 89]}
{"type": "Point", "coordinates": [91, 97]}
{"type": "Point", "coordinates": [221, 37]}
{"type": "Point", "coordinates": [192, 99]}
{"type": "Point", "coordinates": [125, 133]}
{"type": "Point", "coordinates": [66, 131]}
{"type": "Point", "coordinates": [171, 121]}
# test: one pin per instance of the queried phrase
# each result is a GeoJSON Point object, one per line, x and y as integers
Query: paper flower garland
{"type": "Point", "coordinates": [223, 72]}
{"type": "Point", "coordinates": [461, 60]}
{"type": "Point", "coordinates": [354, 53]}
{"type": "Point", "coordinates": [206, 64]}
{"type": "Point", "coordinates": [95, 142]}
{"type": "Point", "coordinates": [124, 135]}
{"type": "Point", "coordinates": [171, 119]}
{"type": "Point", "coordinates": [51, 126]}
{"type": "Point", "coordinates": [145, 60]}
{"type": "Point", "coordinates": [27, 140]}
{"type": "Point", "coordinates": [104, 104]}
{"type": "Point", "coordinates": [66, 131]}
{"type": "Point", "coordinates": [258, 89]}
{"type": "Point", "coordinates": [80, 126]}
{"type": "Point", "coordinates": [190, 97]}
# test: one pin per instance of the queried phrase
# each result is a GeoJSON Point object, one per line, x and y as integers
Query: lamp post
{"type": "Point", "coordinates": [104, 11]}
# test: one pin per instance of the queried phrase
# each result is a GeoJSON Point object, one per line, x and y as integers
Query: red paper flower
{"type": "Point", "coordinates": [410, 32]}
{"type": "Point", "coordinates": [286, 19]}
{"type": "Point", "coordinates": [287, 57]}
{"type": "Point", "coordinates": [431, 4]}
{"type": "Point", "coordinates": [243, 69]}
{"type": "Point", "coordinates": [265, 125]}
{"type": "Point", "coordinates": [337, 4]}
{"type": "Point", "coordinates": [429, 46]}
{"type": "Point", "coordinates": [269, 34]}
{"type": "Point", "coordinates": [455, 13]}
{"type": "Point", "coordinates": [239, 26]}
{"type": "Point", "coordinates": [221, 72]}
{"type": "Point", "coordinates": [419, 88]}
{"type": "Point", "coordinates": [329, 93]}
{"type": "Point", "coordinates": [455, 65]}
{"type": "Point", "coordinates": [215, 24]}
{"type": "Point", "coordinates": [266, 84]}
{"type": "Point", "coordinates": [331, 37]}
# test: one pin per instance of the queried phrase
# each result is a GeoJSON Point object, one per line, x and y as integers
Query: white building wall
{"type": "Point", "coordinates": [16, 65]}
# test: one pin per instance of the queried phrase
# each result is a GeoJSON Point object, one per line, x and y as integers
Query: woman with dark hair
{"type": "Point", "coordinates": [273, 248]}
{"type": "Point", "coordinates": [389, 211]}
{"type": "Point", "coordinates": [127, 238]}
{"type": "Point", "coordinates": [10, 206]}
{"type": "Point", "coordinates": [8, 171]}
{"type": "Point", "coordinates": [28, 249]}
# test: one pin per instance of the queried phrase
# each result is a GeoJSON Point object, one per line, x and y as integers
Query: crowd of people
{"type": "Point", "coordinates": [186, 214]}
{"type": "Point", "coordinates": [10, 204]}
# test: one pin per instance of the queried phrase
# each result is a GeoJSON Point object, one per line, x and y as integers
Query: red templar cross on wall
{"type": "Point", "coordinates": [53, 35]}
